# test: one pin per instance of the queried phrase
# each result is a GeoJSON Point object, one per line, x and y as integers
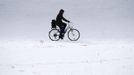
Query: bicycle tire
{"type": "Point", "coordinates": [56, 34]}
{"type": "Point", "coordinates": [72, 31]}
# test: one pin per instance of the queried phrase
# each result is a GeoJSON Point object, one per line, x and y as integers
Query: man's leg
{"type": "Point", "coordinates": [63, 27]}
{"type": "Point", "coordinates": [62, 30]}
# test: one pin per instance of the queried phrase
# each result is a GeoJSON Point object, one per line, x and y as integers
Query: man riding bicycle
{"type": "Point", "coordinates": [61, 24]}
{"type": "Point", "coordinates": [55, 34]}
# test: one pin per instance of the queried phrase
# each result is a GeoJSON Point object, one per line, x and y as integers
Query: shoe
{"type": "Point", "coordinates": [61, 37]}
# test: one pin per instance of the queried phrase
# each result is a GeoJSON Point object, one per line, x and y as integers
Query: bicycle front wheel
{"type": "Point", "coordinates": [73, 34]}
{"type": "Point", "coordinates": [54, 34]}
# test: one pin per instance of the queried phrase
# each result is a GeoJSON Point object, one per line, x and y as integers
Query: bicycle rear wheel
{"type": "Point", "coordinates": [54, 34]}
{"type": "Point", "coordinates": [73, 34]}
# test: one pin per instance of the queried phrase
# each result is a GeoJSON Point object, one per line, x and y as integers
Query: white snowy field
{"type": "Point", "coordinates": [95, 19]}
{"type": "Point", "coordinates": [89, 57]}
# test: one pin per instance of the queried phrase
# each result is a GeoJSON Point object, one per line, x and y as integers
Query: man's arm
{"type": "Point", "coordinates": [65, 19]}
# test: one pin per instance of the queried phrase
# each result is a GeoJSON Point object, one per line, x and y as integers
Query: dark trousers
{"type": "Point", "coordinates": [62, 27]}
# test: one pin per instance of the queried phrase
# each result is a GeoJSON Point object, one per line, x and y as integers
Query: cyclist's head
{"type": "Point", "coordinates": [61, 11]}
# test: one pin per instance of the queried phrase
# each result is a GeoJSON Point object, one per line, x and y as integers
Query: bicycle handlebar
{"type": "Point", "coordinates": [70, 24]}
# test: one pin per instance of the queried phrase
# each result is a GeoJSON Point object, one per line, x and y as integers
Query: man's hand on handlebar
{"type": "Point", "coordinates": [68, 21]}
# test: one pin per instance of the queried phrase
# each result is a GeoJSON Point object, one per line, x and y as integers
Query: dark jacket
{"type": "Point", "coordinates": [59, 18]}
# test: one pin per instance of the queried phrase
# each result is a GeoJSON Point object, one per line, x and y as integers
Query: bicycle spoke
{"type": "Point", "coordinates": [73, 35]}
{"type": "Point", "coordinates": [54, 35]}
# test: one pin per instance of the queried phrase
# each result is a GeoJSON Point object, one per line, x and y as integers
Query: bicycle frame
{"type": "Point", "coordinates": [69, 27]}
{"type": "Point", "coordinates": [73, 34]}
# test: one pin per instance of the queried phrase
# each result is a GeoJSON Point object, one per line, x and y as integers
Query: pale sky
{"type": "Point", "coordinates": [93, 18]}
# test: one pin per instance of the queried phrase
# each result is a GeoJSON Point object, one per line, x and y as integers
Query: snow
{"type": "Point", "coordinates": [85, 57]}
{"type": "Point", "coordinates": [106, 45]}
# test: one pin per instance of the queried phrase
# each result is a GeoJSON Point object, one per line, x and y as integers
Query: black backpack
{"type": "Point", "coordinates": [53, 23]}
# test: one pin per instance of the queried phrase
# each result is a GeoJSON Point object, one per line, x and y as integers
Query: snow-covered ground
{"type": "Point", "coordinates": [95, 19]}
{"type": "Point", "coordinates": [87, 57]}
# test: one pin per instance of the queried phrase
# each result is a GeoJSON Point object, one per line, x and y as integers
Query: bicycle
{"type": "Point", "coordinates": [73, 34]}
